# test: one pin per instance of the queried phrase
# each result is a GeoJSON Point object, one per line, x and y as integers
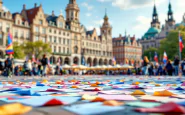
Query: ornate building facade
{"type": "Point", "coordinates": [155, 33]}
{"type": "Point", "coordinates": [127, 50]}
{"type": "Point", "coordinates": [69, 40]}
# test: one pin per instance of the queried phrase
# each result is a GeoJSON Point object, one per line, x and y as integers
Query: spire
{"type": "Point", "coordinates": [170, 8]}
{"type": "Point", "coordinates": [155, 10]}
{"type": "Point", "coordinates": [106, 17]}
{"type": "Point", "coordinates": [72, 1]}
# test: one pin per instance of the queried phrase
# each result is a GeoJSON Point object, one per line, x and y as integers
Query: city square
{"type": "Point", "coordinates": [101, 57]}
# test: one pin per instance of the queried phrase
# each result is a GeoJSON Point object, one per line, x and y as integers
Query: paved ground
{"type": "Point", "coordinates": [58, 110]}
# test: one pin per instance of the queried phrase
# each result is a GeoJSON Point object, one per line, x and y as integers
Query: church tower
{"type": "Point", "coordinates": [106, 29]}
{"type": "Point", "coordinates": [155, 20]}
{"type": "Point", "coordinates": [170, 19]}
{"type": "Point", "coordinates": [72, 11]}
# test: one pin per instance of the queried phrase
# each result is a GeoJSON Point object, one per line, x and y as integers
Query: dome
{"type": "Point", "coordinates": [151, 32]}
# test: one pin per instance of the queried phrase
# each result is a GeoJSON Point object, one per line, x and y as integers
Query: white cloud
{"type": "Point", "coordinates": [98, 22]}
{"type": "Point", "coordinates": [132, 4]}
{"type": "Point", "coordinates": [88, 14]}
{"type": "Point", "coordinates": [142, 23]}
{"type": "Point", "coordinates": [85, 4]}
{"type": "Point", "coordinates": [5, 9]}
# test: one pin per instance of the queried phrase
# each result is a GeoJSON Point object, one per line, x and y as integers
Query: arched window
{"type": "Point", "coordinates": [76, 49]}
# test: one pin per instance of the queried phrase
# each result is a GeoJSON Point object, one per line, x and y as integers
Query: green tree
{"type": "Point", "coordinates": [150, 53]}
{"type": "Point", "coordinates": [171, 43]}
{"type": "Point", "coordinates": [18, 52]}
{"type": "Point", "coordinates": [37, 48]}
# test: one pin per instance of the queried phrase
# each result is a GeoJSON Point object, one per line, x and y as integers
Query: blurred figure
{"type": "Point", "coordinates": [1, 67]}
{"type": "Point", "coordinates": [44, 63]}
{"type": "Point", "coordinates": [145, 65]}
{"type": "Point", "coordinates": [151, 69]}
{"type": "Point", "coordinates": [183, 67]}
{"type": "Point", "coordinates": [169, 68]}
{"type": "Point", "coordinates": [176, 66]}
{"type": "Point", "coordinates": [9, 65]}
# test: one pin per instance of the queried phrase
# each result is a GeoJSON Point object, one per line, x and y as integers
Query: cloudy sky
{"type": "Point", "coordinates": [134, 16]}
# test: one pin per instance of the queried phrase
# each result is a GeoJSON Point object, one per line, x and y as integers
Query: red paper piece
{"type": "Point", "coordinates": [53, 102]}
{"type": "Point", "coordinates": [96, 89]}
{"type": "Point", "coordinates": [165, 108]}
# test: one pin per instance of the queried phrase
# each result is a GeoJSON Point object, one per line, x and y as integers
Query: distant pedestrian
{"type": "Point", "coordinates": [176, 66]}
{"type": "Point", "coordinates": [183, 67]}
{"type": "Point", "coordinates": [169, 68]}
{"type": "Point", "coordinates": [44, 63]}
{"type": "Point", "coordinates": [145, 65]}
{"type": "Point", "coordinates": [9, 65]}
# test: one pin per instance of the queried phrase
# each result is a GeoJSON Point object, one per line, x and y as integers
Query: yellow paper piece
{"type": "Point", "coordinates": [112, 103]}
{"type": "Point", "coordinates": [44, 81]}
{"type": "Point", "coordinates": [94, 85]}
{"type": "Point", "coordinates": [163, 93]}
{"type": "Point", "coordinates": [14, 109]}
{"type": "Point", "coordinates": [138, 92]}
{"type": "Point", "coordinates": [88, 97]}
{"type": "Point", "coordinates": [157, 85]}
{"type": "Point", "coordinates": [174, 84]}
{"type": "Point", "coordinates": [136, 83]}
{"type": "Point", "coordinates": [74, 86]}
{"type": "Point", "coordinates": [98, 99]}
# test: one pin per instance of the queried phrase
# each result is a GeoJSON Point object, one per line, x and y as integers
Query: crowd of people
{"type": "Point", "coordinates": [42, 68]}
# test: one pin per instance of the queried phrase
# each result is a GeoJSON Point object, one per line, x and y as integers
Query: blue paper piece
{"type": "Point", "coordinates": [25, 92]}
{"type": "Point", "coordinates": [179, 88]}
{"type": "Point", "coordinates": [41, 100]}
{"type": "Point", "coordinates": [182, 103]}
{"type": "Point", "coordinates": [39, 84]}
{"type": "Point", "coordinates": [14, 89]}
{"type": "Point", "coordinates": [91, 108]}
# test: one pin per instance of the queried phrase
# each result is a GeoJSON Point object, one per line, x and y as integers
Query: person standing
{"type": "Point", "coordinates": [1, 67]}
{"type": "Point", "coordinates": [145, 65]}
{"type": "Point", "coordinates": [169, 68]}
{"type": "Point", "coordinates": [9, 65]}
{"type": "Point", "coordinates": [183, 67]}
{"type": "Point", "coordinates": [176, 66]}
{"type": "Point", "coordinates": [44, 63]}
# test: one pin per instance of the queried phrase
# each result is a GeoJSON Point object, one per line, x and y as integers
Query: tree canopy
{"type": "Point", "coordinates": [150, 53]}
{"type": "Point", "coordinates": [171, 43]}
{"type": "Point", "coordinates": [18, 51]}
{"type": "Point", "coordinates": [37, 48]}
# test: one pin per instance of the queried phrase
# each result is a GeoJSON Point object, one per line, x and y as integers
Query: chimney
{"type": "Point", "coordinates": [53, 13]}
{"type": "Point", "coordinates": [35, 5]}
{"type": "Point", "coordinates": [24, 6]}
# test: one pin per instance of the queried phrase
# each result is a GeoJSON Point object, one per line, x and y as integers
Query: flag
{"type": "Point", "coordinates": [49, 62]}
{"type": "Point", "coordinates": [9, 48]}
{"type": "Point", "coordinates": [181, 46]}
{"type": "Point", "coordinates": [156, 57]}
{"type": "Point", "coordinates": [114, 61]}
{"type": "Point", "coordinates": [165, 58]}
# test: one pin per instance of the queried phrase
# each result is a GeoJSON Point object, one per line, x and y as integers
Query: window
{"type": "Point", "coordinates": [44, 39]}
{"type": "Point", "coordinates": [27, 35]}
{"type": "Point", "coordinates": [59, 33]}
{"type": "Point", "coordinates": [0, 25]}
{"type": "Point", "coordinates": [55, 49]}
{"type": "Point", "coordinates": [64, 33]}
{"type": "Point", "coordinates": [60, 24]}
{"type": "Point", "coordinates": [76, 49]}
{"type": "Point", "coordinates": [7, 27]}
{"type": "Point", "coordinates": [36, 38]}
{"type": "Point", "coordinates": [64, 50]}
{"type": "Point", "coordinates": [59, 49]}
{"type": "Point", "coordinates": [22, 34]}
{"type": "Point", "coordinates": [40, 22]}
{"type": "Point", "coordinates": [44, 30]}
{"type": "Point", "coordinates": [64, 41]}
{"type": "Point", "coordinates": [50, 30]}
{"type": "Point", "coordinates": [55, 39]}
{"type": "Point", "coordinates": [1, 36]}
{"type": "Point", "coordinates": [68, 41]}
{"type": "Point", "coordinates": [16, 34]}
{"type": "Point", "coordinates": [50, 39]}
{"type": "Point", "coordinates": [55, 31]}
{"type": "Point", "coordinates": [37, 29]}
{"type": "Point", "coordinates": [76, 42]}
{"type": "Point", "coordinates": [59, 40]}
{"type": "Point", "coordinates": [68, 50]}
